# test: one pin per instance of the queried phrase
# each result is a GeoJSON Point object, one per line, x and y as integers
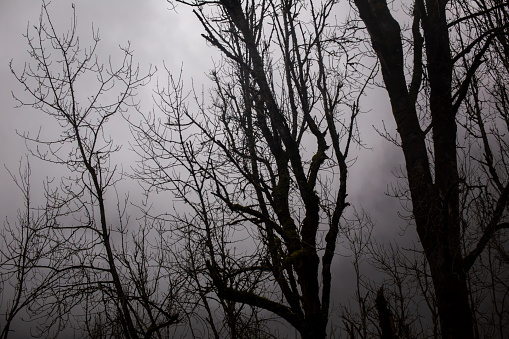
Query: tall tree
{"type": "Point", "coordinates": [449, 50]}
{"type": "Point", "coordinates": [266, 164]}
{"type": "Point", "coordinates": [68, 246]}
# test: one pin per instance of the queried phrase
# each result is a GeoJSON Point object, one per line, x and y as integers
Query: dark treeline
{"type": "Point", "coordinates": [254, 176]}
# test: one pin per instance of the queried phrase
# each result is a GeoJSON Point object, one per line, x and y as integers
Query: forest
{"type": "Point", "coordinates": [238, 212]}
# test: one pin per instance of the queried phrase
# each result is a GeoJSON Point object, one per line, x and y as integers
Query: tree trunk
{"type": "Point", "coordinates": [314, 329]}
{"type": "Point", "coordinates": [452, 298]}
{"type": "Point", "coordinates": [434, 200]}
{"type": "Point", "coordinates": [384, 316]}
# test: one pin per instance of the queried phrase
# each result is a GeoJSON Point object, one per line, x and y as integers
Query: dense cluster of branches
{"type": "Point", "coordinates": [255, 171]}
{"type": "Point", "coordinates": [62, 258]}
{"type": "Point", "coordinates": [268, 157]}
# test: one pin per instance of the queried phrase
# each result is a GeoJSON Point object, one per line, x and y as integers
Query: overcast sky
{"type": "Point", "coordinates": [159, 34]}
{"type": "Point", "coordinates": [155, 33]}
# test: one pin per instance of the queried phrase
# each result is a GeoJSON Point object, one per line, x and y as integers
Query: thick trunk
{"type": "Point", "coordinates": [314, 329]}
{"type": "Point", "coordinates": [436, 230]}
{"type": "Point", "coordinates": [443, 223]}
{"type": "Point", "coordinates": [452, 301]}
{"type": "Point", "coordinates": [435, 200]}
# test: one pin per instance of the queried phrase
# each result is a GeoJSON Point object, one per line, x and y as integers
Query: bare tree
{"type": "Point", "coordinates": [23, 248]}
{"type": "Point", "coordinates": [451, 47]}
{"type": "Point", "coordinates": [263, 168]}
{"type": "Point", "coordinates": [114, 283]}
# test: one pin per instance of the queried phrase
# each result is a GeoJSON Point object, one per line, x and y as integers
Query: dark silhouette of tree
{"type": "Point", "coordinates": [256, 168]}
{"type": "Point", "coordinates": [263, 167]}
{"type": "Point", "coordinates": [385, 316]}
{"type": "Point", "coordinates": [457, 49]}
{"type": "Point", "coordinates": [23, 246]}
{"type": "Point", "coordinates": [79, 252]}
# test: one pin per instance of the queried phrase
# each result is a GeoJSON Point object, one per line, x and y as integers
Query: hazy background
{"type": "Point", "coordinates": [158, 34]}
